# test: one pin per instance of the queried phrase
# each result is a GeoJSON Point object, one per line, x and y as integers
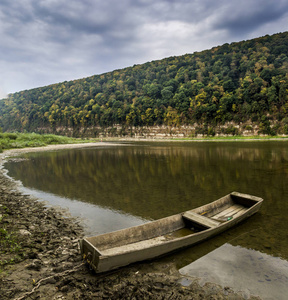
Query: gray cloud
{"type": "Point", "coordinates": [242, 17]}
{"type": "Point", "coordinates": [47, 41]}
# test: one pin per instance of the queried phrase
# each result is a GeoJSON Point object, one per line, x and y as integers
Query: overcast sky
{"type": "Point", "coordinates": [49, 41]}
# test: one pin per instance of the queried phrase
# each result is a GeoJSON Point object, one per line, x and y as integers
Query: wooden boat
{"type": "Point", "coordinates": [119, 248]}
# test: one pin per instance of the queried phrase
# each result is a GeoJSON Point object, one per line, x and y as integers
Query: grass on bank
{"type": "Point", "coordinates": [23, 140]}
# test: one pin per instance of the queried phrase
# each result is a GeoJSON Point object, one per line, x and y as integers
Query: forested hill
{"type": "Point", "coordinates": [238, 83]}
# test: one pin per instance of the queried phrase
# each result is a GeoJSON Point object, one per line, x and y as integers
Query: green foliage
{"type": "Point", "coordinates": [239, 81]}
{"type": "Point", "coordinates": [22, 140]}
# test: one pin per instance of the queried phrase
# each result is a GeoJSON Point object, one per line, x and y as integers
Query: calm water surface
{"type": "Point", "coordinates": [116, 187]}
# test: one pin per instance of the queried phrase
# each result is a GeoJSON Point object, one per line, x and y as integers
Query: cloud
{"type": "Point", "coordinates": [240, 17]}
{"type": "Point", "coordinates": [47, 41]}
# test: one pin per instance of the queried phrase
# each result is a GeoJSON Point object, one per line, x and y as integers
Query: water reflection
{"type": "Point", "coordinates": [246, 270]}
{"type": "Point", "coordinates": [150, 181]}
{"type": "Point", "coordinates": [95, 219]}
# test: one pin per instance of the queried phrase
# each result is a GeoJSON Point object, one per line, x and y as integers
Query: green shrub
{"type": "Point", "coordinates": [4, 143]}
{"type": "Point", "coordinates": [11, 136]}
{"type": "Point", "coordinates": [231, 130]}
{"type": "Point", "coordinates": [211, 132]}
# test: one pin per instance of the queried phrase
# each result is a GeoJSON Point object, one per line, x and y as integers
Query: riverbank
{"type": "Point", "coordinates": [203, 139]}
{"type": "Point", "coordinates": [40, 256]}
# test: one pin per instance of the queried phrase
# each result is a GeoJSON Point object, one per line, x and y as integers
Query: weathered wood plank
{"type": "Point", "coordinates": [229, 211]}
{"type": "Point", "coordinates": [200, 219]}
{"type": "Point", "coordinates": [135, 246]}
{"type": "Point", "coordinates": [240, 212]}
{"type": "Point", "coordinates": [144, 244]}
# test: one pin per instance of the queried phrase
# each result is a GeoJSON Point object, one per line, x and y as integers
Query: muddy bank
{"type": "Point", "coordinates": [40, 259]}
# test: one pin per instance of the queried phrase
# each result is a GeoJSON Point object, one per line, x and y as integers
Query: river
{"type": "Point", "coordinates": [116, 187]}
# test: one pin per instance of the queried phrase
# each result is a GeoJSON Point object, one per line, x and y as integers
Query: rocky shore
{"type": "Point", "coordinates": [40, 259]}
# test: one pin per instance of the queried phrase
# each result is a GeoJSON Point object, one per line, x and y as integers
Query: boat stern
{"type": "Point", "coordinates": [90, 254]}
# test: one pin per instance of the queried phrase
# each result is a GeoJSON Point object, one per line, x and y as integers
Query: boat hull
{"type": "Point", "coordinates": [119, 248]}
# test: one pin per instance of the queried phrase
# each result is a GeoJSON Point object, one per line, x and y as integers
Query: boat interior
{"type": "Point", "coordinates": [174, 227]}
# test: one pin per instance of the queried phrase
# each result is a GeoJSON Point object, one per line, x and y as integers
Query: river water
{"type": "Point", "coordinates": [117, 187]}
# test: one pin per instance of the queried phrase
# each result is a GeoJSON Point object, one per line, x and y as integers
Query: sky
{"type": "Point", "coordinates": [49, 41]}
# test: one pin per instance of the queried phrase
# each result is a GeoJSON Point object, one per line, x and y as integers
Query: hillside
{"type": "Point", "coordinates": [227, 90]}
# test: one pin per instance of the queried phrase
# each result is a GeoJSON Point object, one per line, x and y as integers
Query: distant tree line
{"type": "Point", "coordinates": [235, 82]}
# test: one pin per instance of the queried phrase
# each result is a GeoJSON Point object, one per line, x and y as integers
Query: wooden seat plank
{"type": "Point", "coordinates": [200, 219]}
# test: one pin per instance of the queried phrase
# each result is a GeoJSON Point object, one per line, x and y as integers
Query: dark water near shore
{"type": "Point", "coordinates": [116, 187]}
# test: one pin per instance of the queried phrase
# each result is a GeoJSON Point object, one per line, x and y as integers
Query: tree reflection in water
{"type": "Point", "coordinates": [154, 180]}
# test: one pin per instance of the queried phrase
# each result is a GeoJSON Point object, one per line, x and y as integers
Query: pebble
{"type": "Point", "coordinates": [65, 252]}
{"type": "Point", "coordinates": [35, 265]}
{"type": "Point", "coordinates": [24, 232]}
